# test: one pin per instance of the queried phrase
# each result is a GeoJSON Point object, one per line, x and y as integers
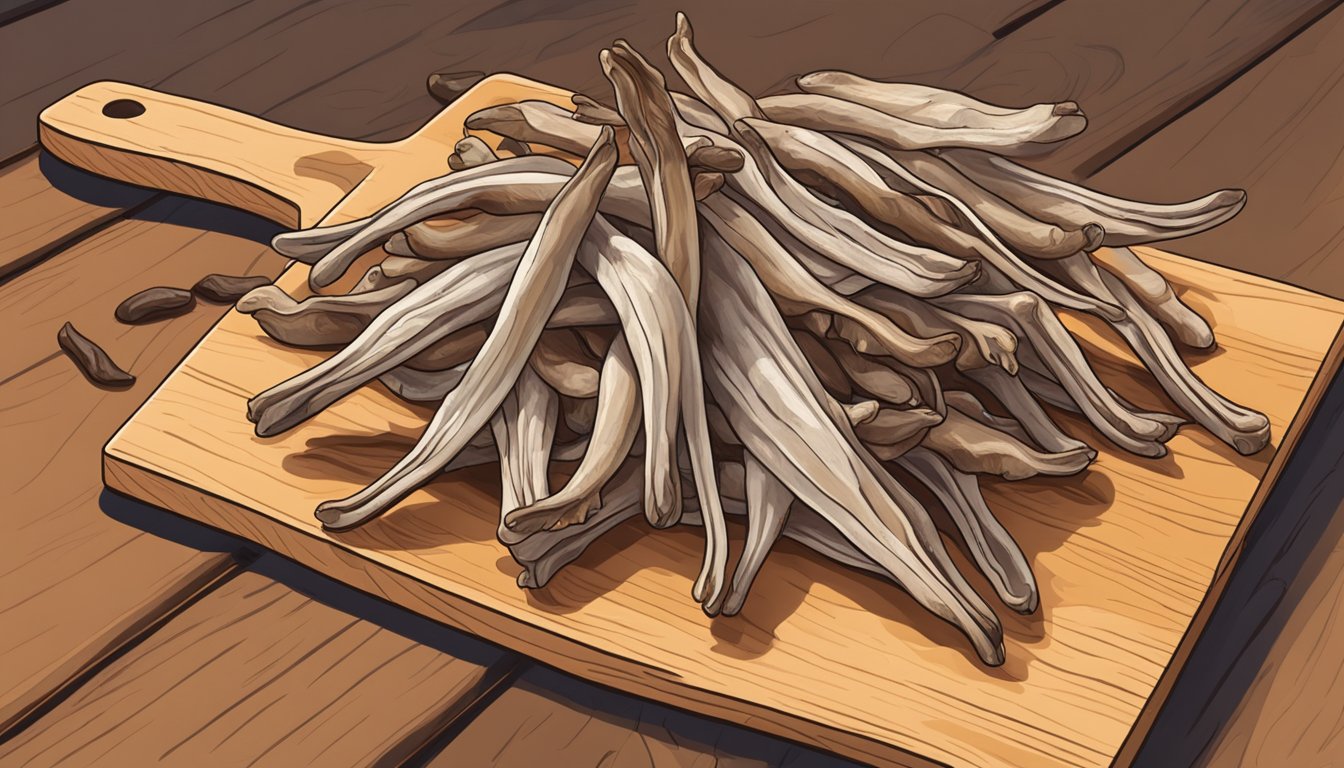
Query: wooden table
{"type": "Point", "coordinates": [130, 636]}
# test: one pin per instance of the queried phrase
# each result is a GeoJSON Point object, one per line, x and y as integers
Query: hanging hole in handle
{"type": "Point", "coordinates": [122, 109]}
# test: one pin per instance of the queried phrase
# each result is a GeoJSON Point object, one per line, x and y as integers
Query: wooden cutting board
{"type": "Point", "coordinates": [1130, 556]}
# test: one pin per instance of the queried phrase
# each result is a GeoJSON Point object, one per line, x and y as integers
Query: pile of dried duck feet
{"type": "Point", "coordinates": [783, 309]}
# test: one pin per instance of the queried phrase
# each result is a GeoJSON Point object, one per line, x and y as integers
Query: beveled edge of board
{"type": "Point", "coordinates": [588, 662]}
{"type": "Point", "coordinates": [1325, 376]}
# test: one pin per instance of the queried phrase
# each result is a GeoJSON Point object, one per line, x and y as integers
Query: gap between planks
{"type": "Point", "coordinates": [298, 683]}
{"type": "Point", "coordinates": [62, 682]}
{"type": "Point", "coordinates": [1102, 162]}
{"type": "Point", "coordinates": [550, 718]}
{"type": "Point", "coordinates": [41, 220]}
{"type": "Point", "coordinates": [81, 571]}
{"type": "Point", "coordinates": [14, 10]}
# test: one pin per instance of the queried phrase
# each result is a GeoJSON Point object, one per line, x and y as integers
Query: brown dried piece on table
{"type": "Point", "coordinates": [155, 304]}
{"type": "Point", "coordinates": [92, 361]}
{"type": "Point", "coordinates": [227, 289]}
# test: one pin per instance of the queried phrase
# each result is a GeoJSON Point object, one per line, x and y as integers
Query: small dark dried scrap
{"type": "Point", "coordinates": [93, 362]}
{"type": "Point", "coordinates": [227, 289]}
{"type": "Point", "coordinates": [155, 304]}
{"type": "Point", "coordinates": [447, 86]}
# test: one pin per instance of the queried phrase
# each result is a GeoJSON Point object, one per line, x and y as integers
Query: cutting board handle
{"type": "Point", "coordinates": [167, 142]}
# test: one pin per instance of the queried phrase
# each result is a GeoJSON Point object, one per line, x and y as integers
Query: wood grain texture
{"type": "Point", "coordinates": [78, 583]}
{"type": "Point", "coordinates": [1116, 607]}
{"type": "Point", "coordinates": [368, 59]}
{"type": "Point", "coordinates": [258, 673]}
{"type": "Point", "coordinates": [1274, 132]}
{"type": "Point", "coordinates": [39, 217]}
{"type": "Point", "coordinates": [551, 719]}
{"type": "Point", "coordinates": [1133, 67]}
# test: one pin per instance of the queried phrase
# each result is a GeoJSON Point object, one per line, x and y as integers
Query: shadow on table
{"type": "Point", "coordinates": [154, 206]}
{"type": "Point", "coordinates": [299, 578]}
{"type": "Point", "coordinates": [90, 188]}
{"type": "Point", "coordinates": [612, 728]}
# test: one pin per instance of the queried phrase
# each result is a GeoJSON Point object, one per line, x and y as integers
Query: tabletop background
{"type": "Point", "coordinates": [133, 637]}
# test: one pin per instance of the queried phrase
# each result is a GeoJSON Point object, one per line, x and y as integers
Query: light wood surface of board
{"type": "Point", "coordinates": [1128, 555]}
{"type": "Point", "coordinates": [1125, 555]}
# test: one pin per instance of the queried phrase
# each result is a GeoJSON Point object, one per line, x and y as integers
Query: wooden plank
{"type": "Point", "coordinates": [1133, 67]}
{"type": "Point", "coordinates": [1274, 132]}
{"type": "Point", "coordinates": [48, 203]}
{"type": "Point", "coordinates": [84, 283]}
{"type": "Point", "coordinates": [1129, 79]}
{"type": "Point", "coordinates": [78, 583]}
{"type": "Point", "coordinates": [547, 718]}
{"type": "Point", "coordinates": [372, 57]}
{"type": "Point", "coordinates": [1116, 608]}
{"type": "Point", "coordinates": [259, 672]}
{"type": "Point", "coordinates": [134, 585]}
{"type": "Point", "coordinates": [278, 72]}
